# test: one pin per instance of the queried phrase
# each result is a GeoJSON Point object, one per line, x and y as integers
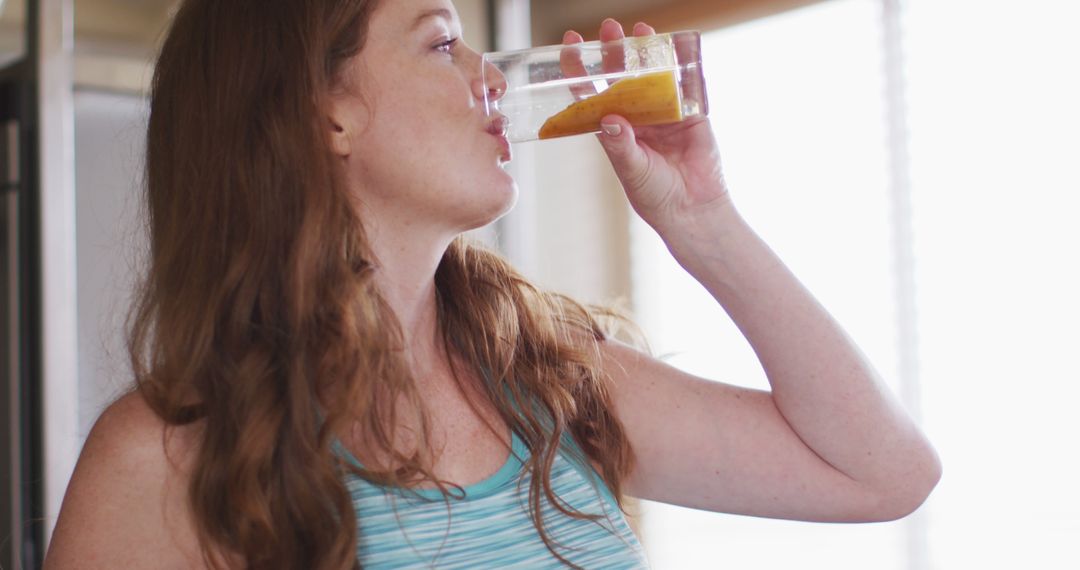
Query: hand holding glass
{"type": "Point", "coordinates": [564, 90]}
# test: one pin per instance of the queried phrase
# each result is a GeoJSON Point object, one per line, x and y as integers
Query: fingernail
{"type": "Point", "coordinates": [611, 129]}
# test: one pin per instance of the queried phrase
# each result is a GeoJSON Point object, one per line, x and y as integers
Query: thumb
{"type": "Point", "coordinates": [626, 155]}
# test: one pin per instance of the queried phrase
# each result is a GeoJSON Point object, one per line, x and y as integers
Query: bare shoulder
{"type": "Point", "coordinates": [126, 504]}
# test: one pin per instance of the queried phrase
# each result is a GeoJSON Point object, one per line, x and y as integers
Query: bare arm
{"type": "Point", "coordinates": [829, 442]}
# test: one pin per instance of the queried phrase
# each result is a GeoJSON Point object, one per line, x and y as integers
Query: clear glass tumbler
{"type": "Point", "coordinates": [564, 90]}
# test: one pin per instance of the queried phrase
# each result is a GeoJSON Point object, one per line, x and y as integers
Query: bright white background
{"type": "Point", "coordinates": [799, 106]}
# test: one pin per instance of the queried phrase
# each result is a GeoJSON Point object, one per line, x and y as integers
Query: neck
{"type": "Point", "coordinates": [406, 279]}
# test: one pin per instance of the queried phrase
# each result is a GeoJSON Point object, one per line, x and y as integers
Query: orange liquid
{"type": "Point", "coordinates": [650, 99]}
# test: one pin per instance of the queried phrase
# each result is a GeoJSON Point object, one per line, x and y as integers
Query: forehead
{"type": "Point", "coordinates": [409, 15]}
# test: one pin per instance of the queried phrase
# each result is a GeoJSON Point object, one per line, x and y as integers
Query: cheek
{"type": "Point", "coordinates": [424, 129]}
{"type": "Point", "coordinates": [426, 113]}
{"type": "Point", "coordinates": [439, 126]}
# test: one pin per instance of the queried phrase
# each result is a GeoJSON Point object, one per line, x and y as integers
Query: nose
{"type": "Point", "coordinates": [491, 85]}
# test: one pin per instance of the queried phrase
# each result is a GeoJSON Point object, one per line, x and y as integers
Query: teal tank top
{"type": "Point", "coordinates": [490, 526]}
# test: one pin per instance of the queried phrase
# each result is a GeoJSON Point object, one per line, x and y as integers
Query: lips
{"type": "Point", "coordinates": [498, 126]}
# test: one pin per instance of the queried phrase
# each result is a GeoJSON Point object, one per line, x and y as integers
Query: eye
{"type": "Point", "coordinates": [447, 46]}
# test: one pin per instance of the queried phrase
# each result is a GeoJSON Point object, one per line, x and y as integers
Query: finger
{"type": "Point", "coordinates": [643, 29]}
{"type": "Point", "coordinates": [611, 30]}
{"type": "Point", "coordinates": [620, 144]}
{"type": "Point", "coordinates": [613, 57]}
{"type": "Point", "coordinates": [571, 65]}
{"type": "Point", "coordinates": [572, 37]}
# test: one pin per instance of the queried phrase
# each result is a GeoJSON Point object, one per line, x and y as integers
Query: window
{"type": "Point", "coordinates": [800, 107]}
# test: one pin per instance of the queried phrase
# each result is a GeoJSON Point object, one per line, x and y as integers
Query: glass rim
{"type": "Point", "coordinates": [593, 43]}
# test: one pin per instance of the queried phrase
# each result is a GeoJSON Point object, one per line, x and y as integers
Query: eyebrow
{"type": "Point", "coordinates": [438, 12]}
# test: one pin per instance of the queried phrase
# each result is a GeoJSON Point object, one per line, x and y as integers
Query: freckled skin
{"type": "Point", "coordinates": [419, 156]}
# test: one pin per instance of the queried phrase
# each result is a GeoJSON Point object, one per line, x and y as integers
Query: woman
{"type": "Point", "coordinates": [314, 336]}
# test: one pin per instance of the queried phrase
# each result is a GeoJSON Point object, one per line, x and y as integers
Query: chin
{"type": "Point", "coordinates": [498, 200]}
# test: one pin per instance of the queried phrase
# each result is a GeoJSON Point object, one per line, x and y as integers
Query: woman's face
{"type": "Point", "coordinates": [410, 126]}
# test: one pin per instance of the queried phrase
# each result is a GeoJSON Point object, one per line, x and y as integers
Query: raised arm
{"type": "Point", "coordinates": [829, 442]}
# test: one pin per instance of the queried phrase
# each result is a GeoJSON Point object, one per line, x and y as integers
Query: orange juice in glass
{"type": "Point", "coordinates": [564, 90]}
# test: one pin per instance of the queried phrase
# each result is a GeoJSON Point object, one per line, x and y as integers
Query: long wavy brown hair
{"type": "Point", "coordinates": [259, 300]}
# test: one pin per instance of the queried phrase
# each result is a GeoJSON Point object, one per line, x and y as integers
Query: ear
{"type": "Point", "coordinates": [344, 121]}
{"type": "Point", "coordinates": [339, 138]}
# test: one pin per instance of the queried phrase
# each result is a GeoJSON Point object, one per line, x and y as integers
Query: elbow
{"type": "Point", "coordinates": [910, 492]}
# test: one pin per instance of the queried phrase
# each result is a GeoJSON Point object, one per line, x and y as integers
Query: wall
{"type": "Point", "coordinates": [109, 132]}
{"type": "Point", "coordinates": [115, 42]}
{"type": "Point", "coordinates": [581, 219]}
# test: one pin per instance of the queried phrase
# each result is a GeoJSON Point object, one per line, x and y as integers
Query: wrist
{"type": "Point", "coordinates": [700, 224]}
{"type": "Point", "coordinates": [710, 243]}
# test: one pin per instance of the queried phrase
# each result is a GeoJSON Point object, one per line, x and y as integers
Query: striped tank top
{"type": "Point", "coordinates": [490, 526]}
